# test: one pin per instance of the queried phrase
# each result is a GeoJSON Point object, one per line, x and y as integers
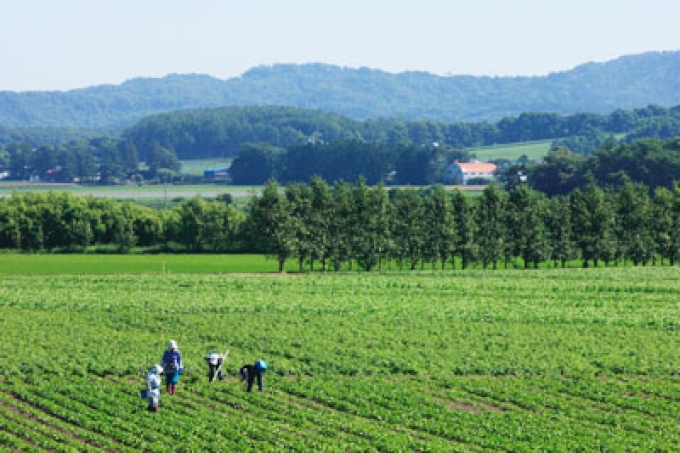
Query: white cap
{"type": "Point", "coordinates": [156, 369]}
{"type": "Point", "coordinates": [172, 344]}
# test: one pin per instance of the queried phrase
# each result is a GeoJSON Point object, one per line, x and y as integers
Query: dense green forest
{"type": "Point", "coordinates": [289, 144]}
{"type": "Point", "coordinates": [221, 132]}
{"type": "Point", "coordinates": [655, 163]}
{"type": "Point", "coordinates": [346, 160]}
{"type": "Point", "coordinates": [46, 136]}
{"type": "Point", "coordinates": [360, 94]}
{"type": "Point", "coordinates": [339, 225]}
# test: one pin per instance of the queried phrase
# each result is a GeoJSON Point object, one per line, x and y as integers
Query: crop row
{"type": "Point", "coordinates": [475, 361]}
{"type": "Point", "coordinates": [326, 324]}
{"type": "Point", "coordinates": [513, 412]}
{"type": "Point", "coordinates": [198, 420]}
{"type": "Point", "coordinates": [350, 414]}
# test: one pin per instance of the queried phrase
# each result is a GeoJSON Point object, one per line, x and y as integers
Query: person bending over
{"type": "Point", "coordinates": [250, 373]}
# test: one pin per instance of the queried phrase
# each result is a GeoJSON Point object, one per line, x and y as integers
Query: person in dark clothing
{"type": "Point", "coordinates": [215, 362]}
{"type": "Point", "coordinates": [243, 372]}
{"type": "Point", "coordinates": [250, 373]}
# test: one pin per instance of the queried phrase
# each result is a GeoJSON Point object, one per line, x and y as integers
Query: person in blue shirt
{"type": "Point", "coordinates": [250, 373]}
{"type": "Point", "coordinates": [172, 366]}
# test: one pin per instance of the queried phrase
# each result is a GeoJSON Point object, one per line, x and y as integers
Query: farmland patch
{"type": "Point", "coordinates": [431, 361]}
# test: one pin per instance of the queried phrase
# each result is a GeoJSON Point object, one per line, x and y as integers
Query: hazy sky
{"type": "Point", "coordinates": [65, 44]}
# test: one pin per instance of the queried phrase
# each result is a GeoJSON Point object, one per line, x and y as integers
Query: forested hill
{"type": "Point", "coordinates": [624, 83]}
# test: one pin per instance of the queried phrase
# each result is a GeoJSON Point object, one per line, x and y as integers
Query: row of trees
{"type": "Point", "coordinates": [100, 160]}
{"type": "Point", "coordinates": [344, 160]}
{"type": "Point", "coordinates": [371, 226]}
{"type": "Point", "coordinates": [221, 132]}
{"type": "Point", "coordinates": [61, 222]}
{"type": "Point", "coordinates": [337, 225]}
{"type": "Point", "coordinates": [289, 144]}
{"type": "Point", "coordinates": [655, 163]}
{"type": "Point", "coordinates": [47, 136]}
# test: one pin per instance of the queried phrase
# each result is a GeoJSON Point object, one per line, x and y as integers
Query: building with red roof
{"type": "Point", "coordinates": [464, 172]}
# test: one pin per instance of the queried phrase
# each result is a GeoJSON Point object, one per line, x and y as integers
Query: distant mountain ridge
{"type": "Point", "coordinates": [624, 83]}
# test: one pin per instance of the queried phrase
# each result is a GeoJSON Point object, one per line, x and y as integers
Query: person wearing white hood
{"type": "Point", "coordinates": [172, 366]}
{"type": "Point", "coordinates": [153, 387]}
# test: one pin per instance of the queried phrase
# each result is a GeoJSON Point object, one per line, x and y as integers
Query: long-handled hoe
{"type": "Point", "coordinates": [219, 368]}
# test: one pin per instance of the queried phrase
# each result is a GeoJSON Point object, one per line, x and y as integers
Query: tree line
{"type": "Point", "coordinates": [653, 162]}
{"type": "Point", "coordinates": [650, 161]}
{"type": "Point", "coordinates": [345, 160]}
{"type": "Point", "coordinates": [221, 132]}
{"type": "Point", "coordinates": [101, 160]}
{"type": "Point", "coordinates": [343, 225]}
{"type": "Point", "coordinates": [290, 144]}
{"type": "Point", "coordinates": [53, 221]}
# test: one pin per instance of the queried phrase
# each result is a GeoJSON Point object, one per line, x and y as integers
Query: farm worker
{"type": "Point", "coordinates": [214, 361]}
{"type": "Point", "coordinates": [251, 372]}
{"type": "Point", "coordinates": [153, 384]}
{"type": "Point", "coordinates": [172, 366]}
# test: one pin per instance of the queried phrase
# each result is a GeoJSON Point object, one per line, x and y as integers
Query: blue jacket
{"type": "Point", "coordinates": [172, 360]}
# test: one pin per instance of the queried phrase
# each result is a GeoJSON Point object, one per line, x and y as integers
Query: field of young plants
{"type": "Point", "coordinates": [506, 360]}
{"type": "Point", "coordinates": [87, 264]}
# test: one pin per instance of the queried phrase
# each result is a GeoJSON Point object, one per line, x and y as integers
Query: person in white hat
{"type": "Point", "coordinates": [172, 366]}
{"type": "Point", "coordinates": [215, 362]}
{"type": "Point", "coordinates": [153, 385]}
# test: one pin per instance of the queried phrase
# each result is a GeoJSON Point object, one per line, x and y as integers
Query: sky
{"type": "Point", "coordinates": [69, 44]}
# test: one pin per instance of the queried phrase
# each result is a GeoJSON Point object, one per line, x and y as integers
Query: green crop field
{"type": "Point", "coordinates": [131, 191]}
{"type": "Point", "coordinates": [506, 360]}
{"type": "Point", "coordinates": [533, 150]}
{"type": "Point", "coordinates": [34, 264]}
{"type": "Point", "coordinates": [156, 196]}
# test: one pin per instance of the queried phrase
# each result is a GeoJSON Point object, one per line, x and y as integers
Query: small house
{"type": "Point", "coordinates": [464, 173]}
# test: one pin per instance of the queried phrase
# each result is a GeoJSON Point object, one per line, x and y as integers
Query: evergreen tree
{"type": "Point", "coordinates": [299, 199]}
{"type": "Point", "coordinates": [273, 224]}
{"type": "Point", "coordinates": [161, 158]}
{"type": "Point", "coordinates": [371, 229]}
{"type": "Point", "coordinates": [408, 226]}
{"type": "Point", "coordinates": [342, 225]}
{"type": "Point", "coordinates": [466, 247]}
{"type": "Point", "coordinates": [666, 225]}
{"type": "Point", "coordinates": [559, 230]}
{"type": "Point", "coordinates": [634, 229]}
{"type": "Point", "coordinates": [492, 234]}
{"type": "Point", "coordinates": [256, 164]}
{"type": "Point", "coordinates": [525, 225]}
{"type": "Point", "coordinates": [593, 224]}
{"type": "Point", "coordinates": [320, 219]}
{"type": "Point", "coordinates": [440, 226]}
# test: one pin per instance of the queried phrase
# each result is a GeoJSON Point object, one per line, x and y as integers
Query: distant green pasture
{"type": "Point", "coordinates": [54, 264]}
{"type": "Point", "coordinates": [132, 191]}
{"type": "Point", "coordinates": [196, 167]}
{"type": "Point", "coordinates": [513, 151]}
{"type": "Point", "coordinates": [161, 195]}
